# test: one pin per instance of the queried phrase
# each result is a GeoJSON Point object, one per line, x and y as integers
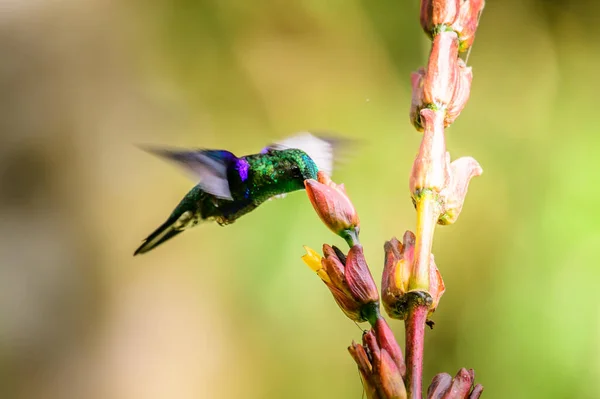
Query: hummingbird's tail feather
{"type": "Point", "coordinates": [169, 229]}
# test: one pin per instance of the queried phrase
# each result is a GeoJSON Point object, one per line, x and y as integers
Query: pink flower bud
{"type": "Point", "coordinates": [399, 258]}
{"type": "Point", "coordinates": [443, 386]}
{"type": "Point", "coordinates": [382, 377]}
{"type": "Point", "coordinates": [430, 169]}
{"type": "Point", "coordinates": [441, 75]}
{"type": "Point", "coordinates": [445, 85]}
{"type": "Point", "coordinates": [333, 206]}
{"type": "Point", "coordinates": [369, 383]}
{"type": "Point", "coordinates": [358, 276]}
{"type": "Point", "coordinates": [349, 280]}
{"type": "Point", "coordinates": [433, 172]}
{"type": "Point", "coordinates": [392, 384]}
{"type": "Point", "coordinates": [387, 340]}
{"type": "Point", "coordinates": [439, 385]}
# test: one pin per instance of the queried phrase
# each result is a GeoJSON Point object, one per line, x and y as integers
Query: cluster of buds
{"type": "Point", "coordinates": [380, 363]}
{"type": "Point", "coordinates": [395, 294]}
{"type": "Point", "coordinates": [440, 92]}
{"type": "Point", "coordinates": [438, 187]}
{"type": "Point", "coordinates": [443, 386]}
{"type": "Point", "coordinates": [446, 82]}
{"type": "Point", "coordinates": [349, 280]}
{"type": "Point", "coordinates": [334, 207]}
{"type": "Point", "coordinates": [347, 276]}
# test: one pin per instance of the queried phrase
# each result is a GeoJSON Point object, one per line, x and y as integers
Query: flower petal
{"type": "Point", "coordinates": [461, 385]}
{"type": "Point", "coordinates": [439, 386]}
{"type": "Point", "coordinates": [461, 93]}
{"type": "Point", "coordinates": [313, 260]}
{"type": "Point", "coordinates": [387, 341]}
{"type": "Point", "coordinates": [392, 383]}
{"type": "Point", "coordinates": [436, 285]}
{"type": "Point", "coordinates": [462, 171]}
{"type": "Point", "coordinates": [358, 276]}
{"type": "Point", "coordinates": [441, 75]}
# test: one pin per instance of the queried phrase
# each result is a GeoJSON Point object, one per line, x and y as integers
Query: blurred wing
{"type": "Point", "coordinates": [209, 166]}
{"type": "Point", "coordinates": [320, 149]}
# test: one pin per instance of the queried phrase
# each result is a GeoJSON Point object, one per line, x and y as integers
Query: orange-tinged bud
{"type": "Point", "coordinates": [396, 274]}
{"type": "Point", "coordinates": [392, 383]}
{"type": "Point", "coordinates": [349, 280]}
{"type": "Point", "coordinates": [432, 171]}
{"type": "Point", "coordinates": [439, 385]}
{"type": "Point", "coordinates": [430, 168]}
{"type": "Point", "coordinates": [387, 340]}
{"type": "Point", "coordinates": [359, 354]}
{"type": "Point", "coordinates": [445, 85]}
{"type": "Point", "coordinates": [359, 277]}
{"type": "Point", "coordinates": [382, 377]}
{"type": "Point", "coordinates": [335, 268]}
{"type": "Point", "coordinates": [442, 70]}
{"type": "Point", "coordinates": [333, 206]}
{"type": "Point", "coordinates": [399, 258]}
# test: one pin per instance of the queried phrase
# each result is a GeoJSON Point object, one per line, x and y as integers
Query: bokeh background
{"type": "Point", "coordinates": [233, 312]}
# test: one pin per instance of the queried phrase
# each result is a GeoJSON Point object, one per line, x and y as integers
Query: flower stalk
{"type": "Point", "coordinates": [438, 187]}
{"type": "Point", "coordinates": [428, 213]}
{"type": "Point", "coordinates": [415, 337]}
{"type": "Point", "coordinates": [412, 285]}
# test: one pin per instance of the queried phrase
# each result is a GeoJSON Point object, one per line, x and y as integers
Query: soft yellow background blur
{"type": "Point", "coordinates": [233, 312]}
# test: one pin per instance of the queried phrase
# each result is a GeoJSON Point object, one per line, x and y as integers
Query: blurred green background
{"type": "Point", "coordinates": [233, 312]}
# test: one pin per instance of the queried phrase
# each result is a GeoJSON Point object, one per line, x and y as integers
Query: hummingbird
{"type": "Point", "coordinates": [230, 187]}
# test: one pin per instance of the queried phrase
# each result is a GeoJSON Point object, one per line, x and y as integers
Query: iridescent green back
{"type": "Point", "coordinates": [270, 174]}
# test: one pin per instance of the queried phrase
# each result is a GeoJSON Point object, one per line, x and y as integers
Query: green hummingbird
{"type": "Point", "coordinates": [230, 186]}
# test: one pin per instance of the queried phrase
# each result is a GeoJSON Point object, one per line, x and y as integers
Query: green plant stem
{"type": "Point", "coordinates": [351, 237]}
